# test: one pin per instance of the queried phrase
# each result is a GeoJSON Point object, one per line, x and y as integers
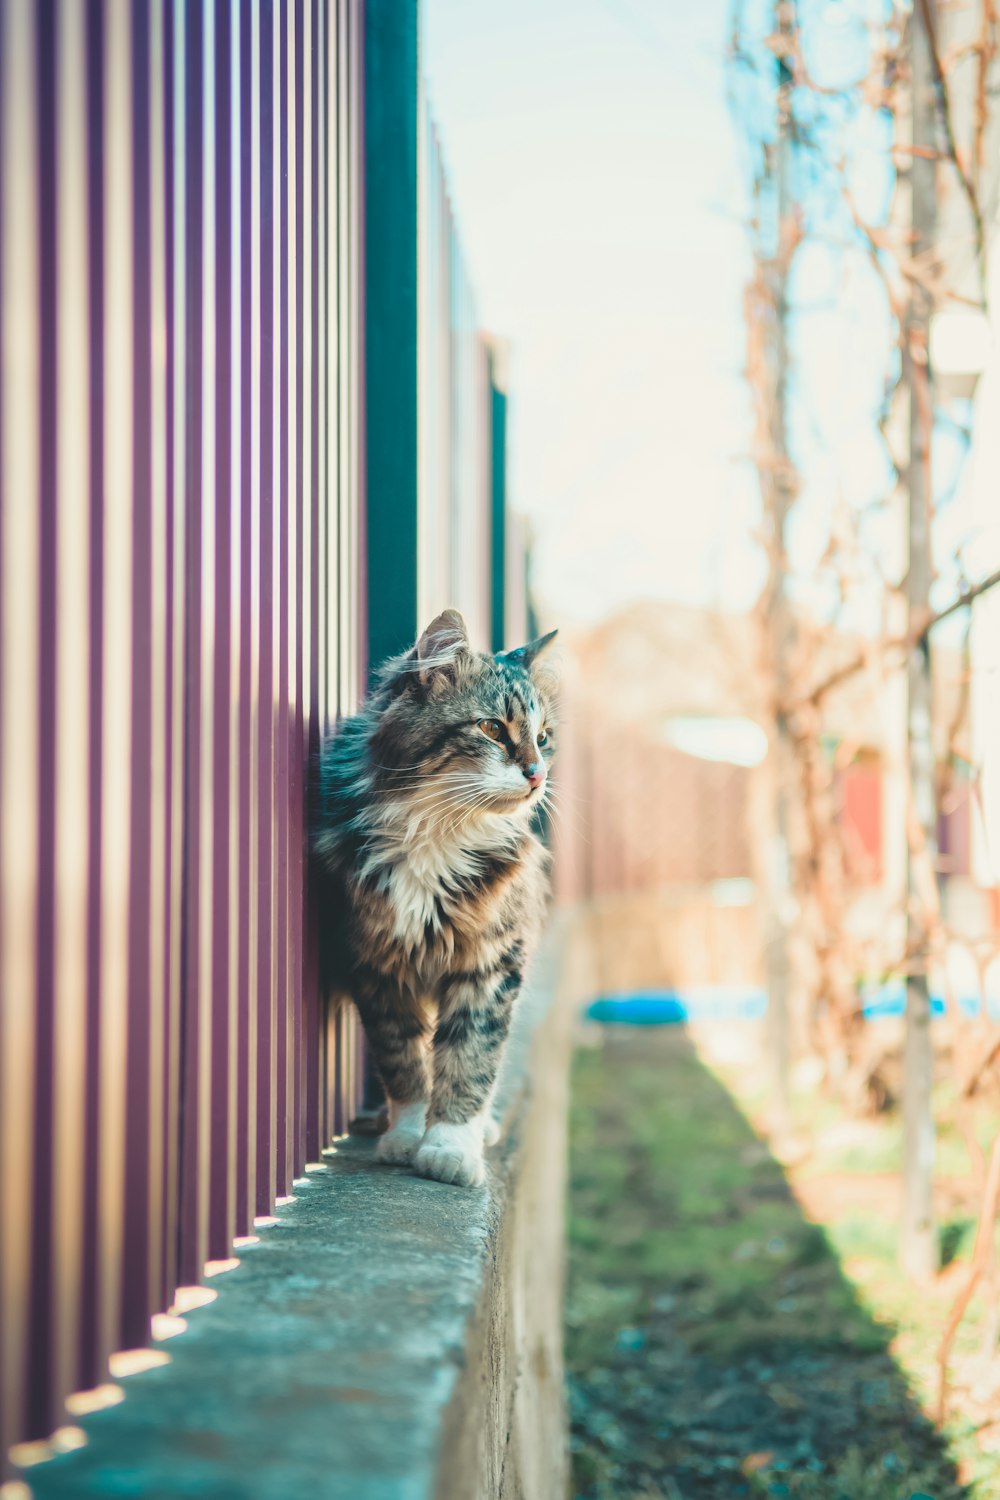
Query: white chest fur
{"type": "Point", "coordinates": [422, 865]}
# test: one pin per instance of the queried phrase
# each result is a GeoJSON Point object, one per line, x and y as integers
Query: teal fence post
{"type": "Point", "coordinates": [390, 270]}
{"type": "Point", "coordinates": [498, 496]}
{"type": "Point", "coordinates": [391, 329]}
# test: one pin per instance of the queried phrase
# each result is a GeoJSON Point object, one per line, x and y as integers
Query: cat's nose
{"type": "Point", "coordinates": [534, 774]}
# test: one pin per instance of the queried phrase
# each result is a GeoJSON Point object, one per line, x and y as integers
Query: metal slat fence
{"type": "Point", "coordinates": [180, 456]}
{"type": "Point", "coordinates": [456, 437]}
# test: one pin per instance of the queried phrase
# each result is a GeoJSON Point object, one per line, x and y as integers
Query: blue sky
{"type": "Point", "coordinates": [597, 182]}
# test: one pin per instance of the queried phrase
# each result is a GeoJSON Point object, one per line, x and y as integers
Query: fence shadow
{"type": "Point", "coordinates": [714, 1347]}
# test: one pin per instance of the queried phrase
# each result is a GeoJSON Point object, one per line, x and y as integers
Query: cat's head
{"type": "Point", "coordinates": [463, 732]}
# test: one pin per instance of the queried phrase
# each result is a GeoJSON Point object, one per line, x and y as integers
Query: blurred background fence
{"type": "Point", "coordinates": [189, 582]}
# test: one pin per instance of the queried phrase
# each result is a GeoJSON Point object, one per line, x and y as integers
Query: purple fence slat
{"type": "Point", "coordinates": [173, 702]}
{"type": "Point", "coordinates": [246, 1029]}
{"type": "Point", "coordinates": [310, 1131]}
{"type": "Point", "coordinates": [220, 1233]}
{"type": "Point", "coordinates": [20, 678]}
{"type": "Point", "coordinates": [136, 1307]}
{"type": "Point", "coordinates": [7, 1370]}
{"type": "Point", "coordinates": [6, 1341]}
{"type": "Point", "coordinates": [41, 1305]}
{"type": "Point", "coordinates": [295, 767]}
{"type": "Point", "coordinates": [90, 1313]}
{"type": "Point", "coordinates": [192, 1250]}
{"type": "Point", "coordinates": [266, 1018]}
{"type": "Point", "coordinates": [281, 753]}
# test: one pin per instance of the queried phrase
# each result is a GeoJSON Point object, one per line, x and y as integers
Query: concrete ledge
{"type": "Point", "coordinates": [388, 1339]}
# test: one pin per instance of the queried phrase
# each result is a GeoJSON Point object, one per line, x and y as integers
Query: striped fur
{"type": "Point", "coordinates": [434, 884]}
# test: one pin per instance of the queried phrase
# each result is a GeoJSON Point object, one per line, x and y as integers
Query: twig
{"type": "Point", "coordinates": [967, 596]}
{"type": "Point", "coordinates": [980, 1260]}
{"type": "Point", "coordinates": [986, 48]}
{"type": "Point", "coordinates": [903, 643]}
{"type": "Point", "coordinates": [944, 99]}
{"type": "Point", "coordinates": [971, 1082]}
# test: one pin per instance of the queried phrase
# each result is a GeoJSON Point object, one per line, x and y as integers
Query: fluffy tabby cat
{"type": "Point", "coordinates": [435, 884]}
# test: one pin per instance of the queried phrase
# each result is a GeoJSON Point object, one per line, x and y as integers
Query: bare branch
{"type": "Point", "coordinates": [900, 643]}
{"type": "Point", "coordinates": [944, 100]}
{"type": "Point", "coordinates": [961, 600]}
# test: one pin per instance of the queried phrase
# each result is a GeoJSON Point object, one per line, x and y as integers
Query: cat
{"type": "Point", "coordinates": [434, 886]}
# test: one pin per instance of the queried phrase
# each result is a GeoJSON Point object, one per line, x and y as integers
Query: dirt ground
{"type": "Point", "coordinates": [720, 1342]}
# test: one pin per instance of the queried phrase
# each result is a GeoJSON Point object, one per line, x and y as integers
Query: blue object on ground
{"type": "Point", "coordinates": [747, 1003]}
{"type": "Point", "coordinates": [881, 1000]}
{"type": "Point", "coordinates": [674, 1007]}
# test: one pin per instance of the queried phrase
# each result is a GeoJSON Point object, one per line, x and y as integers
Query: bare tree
{"type": "Point", "coordinates": [811, 662]}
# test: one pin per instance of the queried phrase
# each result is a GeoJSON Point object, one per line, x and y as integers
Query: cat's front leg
{"type": "Point", "coordinates": [475, 1018]}
{"type": "Point", "coordinates": [399, 1036]}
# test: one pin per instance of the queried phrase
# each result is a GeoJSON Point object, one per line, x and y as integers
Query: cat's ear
{"type": "Point", "coordinates": [525, 656]}
{"type": "Point", "coordinates": [440, 646]}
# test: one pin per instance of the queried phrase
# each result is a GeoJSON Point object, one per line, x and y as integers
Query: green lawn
{"type": "Point", "coordinates": [715, 1346]}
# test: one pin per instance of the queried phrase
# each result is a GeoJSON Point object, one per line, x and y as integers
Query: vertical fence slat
{"type": "Point", "coordinates": [313, 604]}
{"type": "Point", "coordinates": [355, 623]}
{"type": "Point", "coordinates": [265, 791]}
{"type": "Point", "coordinates": [71, 683]}
{"type": "Point", "coordinates": [358, 621]}
{"type": "Point", "coordinates": [8, 1371]}
{"type": "Point", "coordinates": [234, 503]}
{"type": "Point", "coordinates": [135, 1307]}
{"type": "Point", "coordinates": [212, 1003]}
{"type": "Point", "coordinates": [192, 1225]}
{"type": "Point", "coordinates": [218, 266]}
{"type": "Point", "coordinates": [246, 976]}
{"type": "Point", "coordinates": [161, 607]}
{"type": "Point", "coordinates": [90, 1313]}
{"type": "Point", "coordinates": [174, 372]}
{"type": "Point", "coordinates": [117, 790]}
{"type": "Point", "coordinates": [332, 351]}
{"type": "Point", "coordinates": [19, 648]}
{"type": "Point", "coordinates": [41, 1301]}
{"type": "Point", "coordinates": [286, 388]}
{"type": "Point", "coordinates": [339, 500]}
{"type": "Point", "coordinates": [343, 356]}
{"type": "Point", "coordinates": [323, 708]}
{"type": "Point", "coordinates": [302, 357]}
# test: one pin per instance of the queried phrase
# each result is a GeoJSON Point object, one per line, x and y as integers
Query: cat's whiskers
{"type": "Point", "coordinates": [468, 794]}
{"type": "Point", "coordinates": [564, 811]}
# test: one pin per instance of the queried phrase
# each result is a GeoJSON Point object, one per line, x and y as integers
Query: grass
{"type": "Point", "coordinates": [719, 1342]}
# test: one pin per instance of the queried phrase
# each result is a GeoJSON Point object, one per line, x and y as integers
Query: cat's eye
{"type": "Point", "coordinates": [493, 728]}
{"type": "Point", "coordinates": [543, 738]}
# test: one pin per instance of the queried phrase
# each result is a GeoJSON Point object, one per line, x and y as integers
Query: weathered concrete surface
{"type": "Point", "coordinates": [388, 1339]}
{"type": "Point", "coordinates": [505, 1431]}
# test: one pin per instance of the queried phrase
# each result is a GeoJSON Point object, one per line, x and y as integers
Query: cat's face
{"type": "Point", "coordinates": [463, 732]}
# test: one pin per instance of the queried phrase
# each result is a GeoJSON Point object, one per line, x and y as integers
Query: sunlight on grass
{"type": "Point", "coordinates": [862, 1226]}
{"type": "Point", "coordinates": [719, 1340]}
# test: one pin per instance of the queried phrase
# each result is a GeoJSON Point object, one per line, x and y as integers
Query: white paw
{"type": "Point", "coordinates": [491, 1131]}
{"type": "Point", "coordinates": [452, 1153]}
{"type": "Point", "coordinates": [397, 1148]}
{"type": "Point", "coordinates": [399, 1145]}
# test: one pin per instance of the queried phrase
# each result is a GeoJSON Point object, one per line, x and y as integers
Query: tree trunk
{"type": "Point", "coordinates": [918, 1242]}
{"type": "Point", "coordinates": [779, 896]}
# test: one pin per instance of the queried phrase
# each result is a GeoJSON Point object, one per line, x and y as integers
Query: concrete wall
{"type": "Point", "coordinates": [504, 1436]}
